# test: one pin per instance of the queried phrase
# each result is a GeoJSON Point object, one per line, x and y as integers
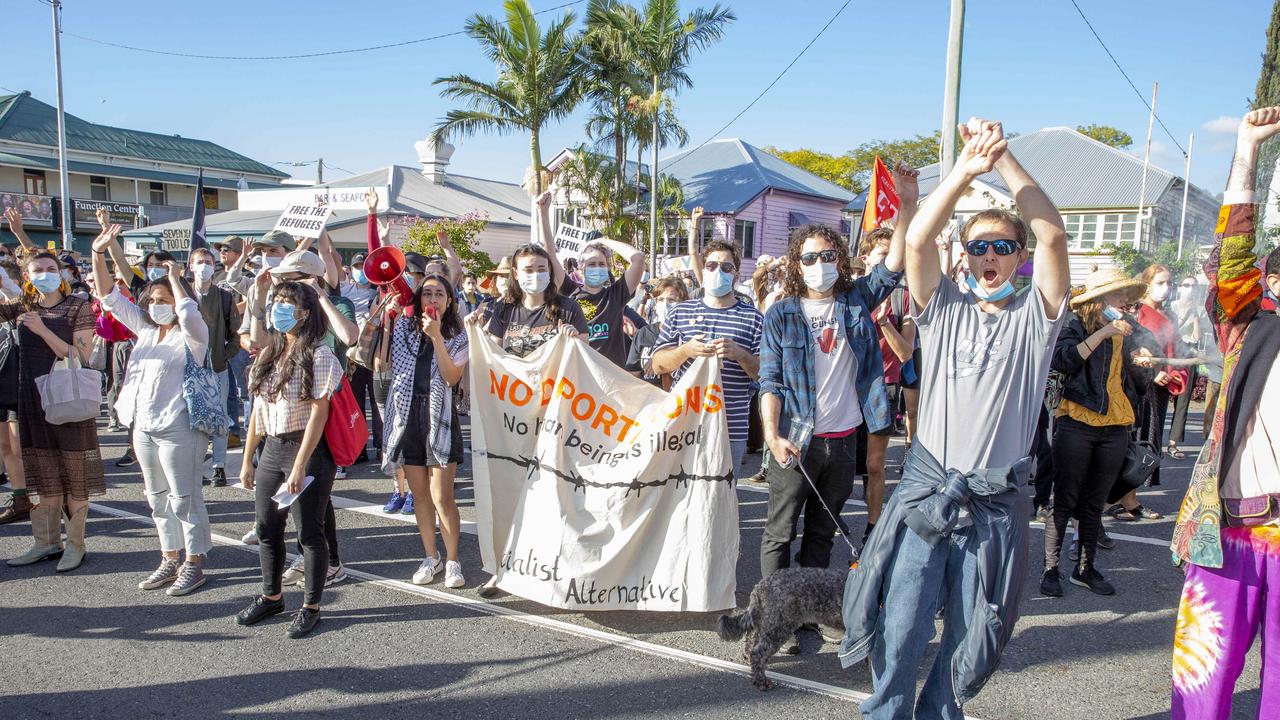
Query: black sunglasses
{"type": "Point", "coordinates": [977, 248]}
{"type": "Point", "coordinates": [713, 265]}
{"type": "Point", "coordinates": [826, 256]}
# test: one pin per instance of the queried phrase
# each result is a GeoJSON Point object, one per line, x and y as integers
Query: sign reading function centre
{"type": "Point", "coordinates": [596, 490]}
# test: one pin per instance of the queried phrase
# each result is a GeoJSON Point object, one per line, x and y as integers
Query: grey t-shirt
{"type": "Point", "coordinates": [982, 379]}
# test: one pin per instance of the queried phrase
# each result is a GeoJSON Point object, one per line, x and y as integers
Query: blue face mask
{"type": "Point", "coordinates": [1111, 313]}
{"type": "Point", "coordinates": [717, 283]}
{"type": "Point", "coordinates": [46, 282]}
{"type": "Point", "coordinates": [1000, 293]}
{"type": "Point", "coordinates": [282, 317]}
{"type": "Point", "coordinates": [156, 273]}
{"type": "Point", "coordinates": [596, 276]}
{"type": "Point", "coordinates": [358, 276]}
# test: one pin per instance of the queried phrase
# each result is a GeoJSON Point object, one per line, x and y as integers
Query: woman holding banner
{"type": "Point", "coordinates": [528, 314]}
{"type": "Point", "coordinates": [428, 356]}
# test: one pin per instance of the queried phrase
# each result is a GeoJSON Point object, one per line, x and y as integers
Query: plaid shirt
{"type": "Point", "coordinates": [289, 412]}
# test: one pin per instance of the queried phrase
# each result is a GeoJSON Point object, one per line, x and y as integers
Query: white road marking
{"type": "Point", "coordinates": [649, 648]}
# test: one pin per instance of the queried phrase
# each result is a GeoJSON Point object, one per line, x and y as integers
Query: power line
{"type": "Point", "coordinates": [1136, 91]}
{"type": "Point", "coordinates": [301, 56]}
{"type": "Point", "coordinates": [768, 87]}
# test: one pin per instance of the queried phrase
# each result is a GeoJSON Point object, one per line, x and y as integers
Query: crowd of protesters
{"type": "Point", "coordinates": [998, 373]}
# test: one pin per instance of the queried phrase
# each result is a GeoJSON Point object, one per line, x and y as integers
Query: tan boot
{"type": "Point", "coordinates": [45, 521]}
{"type": "Point", "coordinates": [74, 552]}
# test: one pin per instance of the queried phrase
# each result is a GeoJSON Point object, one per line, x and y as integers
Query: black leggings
{"type": "Point", "coordinates": [1087, 461]}
{"type": "Point", "coordinates": [308, 513]}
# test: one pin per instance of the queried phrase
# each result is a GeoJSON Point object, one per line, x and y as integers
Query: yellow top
{"type": "Point", "coordinates": [1119, 411]}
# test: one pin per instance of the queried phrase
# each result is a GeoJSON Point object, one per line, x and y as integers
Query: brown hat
{"type": "Point", "coordinates": [1101, 282]}
{"type": "Point", "coordinates": [235, 242]}
{"type": "Point", "coordinates": [503, 270]}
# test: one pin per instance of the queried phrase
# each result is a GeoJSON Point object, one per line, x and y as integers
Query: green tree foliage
{"type": "Point", "coordinates": [462, 232]}
{"type": "Point", "coordinates": [1106, 135]}
{"type": "Point", "coordinates": [833, 168]}
{"type": "Point", "coordinates": [1135, 261]}
{"type": "Point", "coordinates": [1266, 94]}
{"type": "Point", "coordinates": [915, 151]}
{"type": "Point", "coordinates": [540, 79]}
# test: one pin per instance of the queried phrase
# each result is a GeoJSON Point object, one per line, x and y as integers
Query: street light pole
{"type": "Point", "coordinates": [1186, 187]}
{"type": "Point", "coordinates": [951, 98]}
{"type": "Point", "coordinates": [64, 184]}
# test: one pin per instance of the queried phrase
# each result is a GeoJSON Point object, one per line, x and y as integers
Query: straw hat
{"type": "Point", "coordinates": [1101, 282]}
{"type": "Point", "coordinates": [503, 270]}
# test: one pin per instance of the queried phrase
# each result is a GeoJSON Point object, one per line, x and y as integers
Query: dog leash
{"type": "Point", "coordinates": [839, 529]}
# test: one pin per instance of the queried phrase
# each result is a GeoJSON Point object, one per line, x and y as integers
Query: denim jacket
{"type": "Point", "coordinates": [786, 353]}
{"type": "Point", "coordinates": [927, 502]}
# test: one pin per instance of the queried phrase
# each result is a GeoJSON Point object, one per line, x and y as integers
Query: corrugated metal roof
{"type": "Point", "coordinates": [88, 168]}
{"type": "Point", "coordinates": [25, 119]}
{"type": "Point", "coordinates": [411, 194]}
{"type": "Point", "coordinates": [1076, 171]}
{"type": "Point", "coordinates": [724, 175]}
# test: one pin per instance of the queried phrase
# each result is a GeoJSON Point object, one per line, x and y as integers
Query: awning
{"type": "Point", "coordinates": [127, 173]}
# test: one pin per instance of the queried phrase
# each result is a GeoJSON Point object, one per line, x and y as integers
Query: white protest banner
{"type": "Point", "coordinates": [302, 220]}
{"type": "Point", "coordinates": [597, 491]}
{"type": "Point", "coordinates": [672, 264]}
{"type": "Point", "coordinates": [569, 241]}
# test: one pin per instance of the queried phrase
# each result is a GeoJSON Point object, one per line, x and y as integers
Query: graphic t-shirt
{"type": "Point", "coordinates": [603, 311]}
{"type": "Point", "coordinates": [522, 330]}
{"type": "Point", "coordinates": [835, 370]}
{"type": "Point", "coordinates": [982, 376]}
{"type": "Point", "coordinates": [740, 322]}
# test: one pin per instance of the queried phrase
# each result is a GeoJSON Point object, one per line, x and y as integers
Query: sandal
{"type": "Point", "coordinates": [1145, 513]}
{"type": "Point", "coordinates": [1173, 452]}
{"type": "Point", "coordinates": [1120, 513]}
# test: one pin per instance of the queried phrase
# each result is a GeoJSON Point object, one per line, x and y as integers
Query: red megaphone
{"type": "Point", "coordinates": [385, 267]}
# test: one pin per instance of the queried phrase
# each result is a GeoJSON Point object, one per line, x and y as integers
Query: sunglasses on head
{"type": "Point", "coordinates": [826, 256]}
{"type": "Point", "coordinates": [714, 265]}
{"type": "Point", "coordinates": [978, 248]}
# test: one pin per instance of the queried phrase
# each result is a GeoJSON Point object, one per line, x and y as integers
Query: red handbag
{"type": "Point", "coordinates": [345, 431]}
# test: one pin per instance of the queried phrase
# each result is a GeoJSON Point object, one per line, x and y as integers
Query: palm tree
{"type": "Point", "coordinates": [662, 45]}
{"type": "Point", "coordinates": [539, 79]}
{"type": "Point", "coordinates": [612, 79]}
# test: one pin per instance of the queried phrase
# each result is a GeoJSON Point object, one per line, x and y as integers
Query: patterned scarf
{"type": "Point", "coordinates": [406, 342]}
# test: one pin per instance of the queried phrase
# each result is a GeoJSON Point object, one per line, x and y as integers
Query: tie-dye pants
{"type": "Point", "coordinates": [1221, 612]}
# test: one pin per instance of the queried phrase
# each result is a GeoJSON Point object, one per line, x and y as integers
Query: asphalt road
{"type": "Point", "coordinates": [88, 644]}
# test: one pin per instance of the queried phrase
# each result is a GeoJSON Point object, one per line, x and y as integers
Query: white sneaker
{"type": "Point", "coordinates": [427, 570]}
{"type": "Point", "coordinates": [340, 473]}
{"type": "Point", "coordinates": [250, 538]}
{"type": "Point", "coordinates": [293, 574]}
{"type": "Point", "coordinates": [453, 574]}
{"type": "Point", "coordinates": [335, 575]}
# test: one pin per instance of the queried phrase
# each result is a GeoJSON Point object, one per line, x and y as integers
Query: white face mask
{"type": "Point", "coordinates": [503, 284]}
{"type": "Point", "coordinates": [162, 314]}
{"type": "Point", "coordinates": [660, 309]}
{"type": "Point", "coordinates": [271, 261]}
{"type": "Point", "coordinates": [534, 282]}
{"type": "Point", "coordinates": [1184, 292]}
{"type": "Point", "coordinates": [202, 272]}
{"type": "Point", "coordinates": [1159, 293]}
{"type": "Point", "coordinates": [820, 276]}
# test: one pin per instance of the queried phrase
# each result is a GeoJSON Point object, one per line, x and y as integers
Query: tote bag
{"type": "Point", "coordinates": [205, 404]}
{"type": "Point", "coordinates": [345, 431]}
{"type": "Point", "coordinates": [70, 393]}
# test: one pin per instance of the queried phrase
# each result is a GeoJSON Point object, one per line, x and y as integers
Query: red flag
{"type": "Point", "coordinates": [882, 198]}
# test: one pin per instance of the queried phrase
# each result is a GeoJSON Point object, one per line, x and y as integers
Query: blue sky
{"type": "Point", "coordinates": [876, 73]}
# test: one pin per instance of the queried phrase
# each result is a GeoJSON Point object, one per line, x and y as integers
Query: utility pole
{"type": "Point", "coordinates": [320, 171]}
{"type": "Point", "coordinates": [653, 188]}
{"type": "Point", "coordinates": [951, 98]}
{"type": "Point", "coordinates": [1146, 163]}
{"type": "Point", "coordinates": [1186, 188]}
{"type": "Point", "coordinates": [64, 184]}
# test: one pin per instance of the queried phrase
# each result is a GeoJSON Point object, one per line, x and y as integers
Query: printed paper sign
{"type": "Point", "coordinates": [569, 241]}
{"type": "Point", "coordinates": [595, 490]}
{"type": "Point", "coordinates": [304, 221]}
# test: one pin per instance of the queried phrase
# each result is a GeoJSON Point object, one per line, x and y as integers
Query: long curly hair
{"type": "Point", "coordinates": [793, 284]}
{"type": "Point", "coordinates": [279, 362]}
{"type": "Point", "coordinates": [551, 296]}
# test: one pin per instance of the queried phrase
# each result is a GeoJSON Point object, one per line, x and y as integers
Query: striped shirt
{"type": "Point", "coordinates": [741, 323]}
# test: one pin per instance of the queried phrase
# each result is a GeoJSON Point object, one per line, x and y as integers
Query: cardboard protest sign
{"type": "Point", "coordinates": [569, 241]}
{"type": "Point", "coordinates": [598, 491]}
{"type": "Point", "coordinates": [302, 220]}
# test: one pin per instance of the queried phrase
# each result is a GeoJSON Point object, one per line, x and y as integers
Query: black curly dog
{"type": "Point", "coordinates": [779, 605]}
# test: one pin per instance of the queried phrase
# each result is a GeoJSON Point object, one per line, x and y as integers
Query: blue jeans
{"type": "Point", "coordinates": [922, 578]}
{"type": "Point", "coordinates": [238, 388]}
{"type": "Point", "coordinates": [219, 459]}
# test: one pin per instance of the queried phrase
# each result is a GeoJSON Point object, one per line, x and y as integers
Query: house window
{"type": "Point", "coordinates": [1092, 231]}
{"type": "Point", "coordinates": [567, 216]}
{"type": "Point", "coordinates": [707, 231]}
{"type": "Point", "coordinates": [33, 182]}
{"type": "Point", "coordinates": [98, 188]}
{"type": "Point", "coordinates": [210, 198]}
{"type": "Point", "coordinates": [744, 231]}
{"type": "Point", "coordinates": [158, 195]}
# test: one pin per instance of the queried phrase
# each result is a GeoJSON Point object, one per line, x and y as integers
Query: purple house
{"type": "Point", "coordinates": [751, 197]}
